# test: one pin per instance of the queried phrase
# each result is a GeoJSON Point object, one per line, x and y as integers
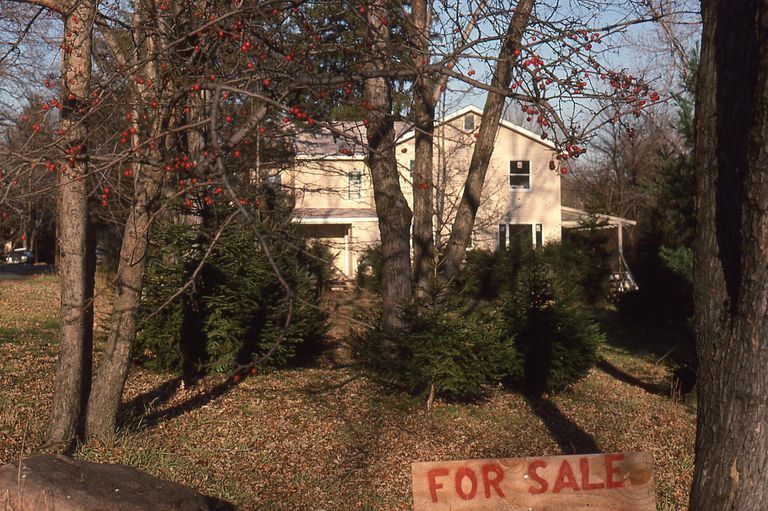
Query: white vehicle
{"type": "Point", "coordinates": [20, 256]}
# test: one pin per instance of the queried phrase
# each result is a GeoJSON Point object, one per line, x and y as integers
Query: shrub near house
{"type": "Point", "coordinates": [235, 312]}
{"type": "Point", "coordinates": [535, 335]}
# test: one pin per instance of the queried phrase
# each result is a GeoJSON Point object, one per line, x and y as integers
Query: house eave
{"type": "Point", "coordinates": [477, 111]}
{"type": "Point", "coordinates": [320, 157]}
{"type": "Point", "coordinates": [612, 220]}
{"type": "Point", "coordinates": [333, 220]}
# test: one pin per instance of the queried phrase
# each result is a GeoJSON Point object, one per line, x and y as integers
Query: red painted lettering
{"type": "Point", "coordinates": [585, 484]}
{"type": "Point", "coordinates": [610, 470]}
{"type": "Point", "coordinates": [536, 477]}
{"type": "Point", "coordinates": [565, 478]}
{"type": "Point", "coordinates": [489, 482]}
{"type": "Point", "coordinates": [461, 474]}
{"type": "Point", "coordinates": [432, 475]}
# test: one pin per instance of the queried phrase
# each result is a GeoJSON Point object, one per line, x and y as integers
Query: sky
{"type": "Point", "coordinates": [641, 49]}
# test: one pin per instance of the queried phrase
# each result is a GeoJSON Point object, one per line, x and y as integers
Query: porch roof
{"type": "Point", "coordinates": [571, 217]}
{"type": "Point", "coordinates": [334, 215]}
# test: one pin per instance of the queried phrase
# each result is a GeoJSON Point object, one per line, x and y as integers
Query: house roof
{"type": "Point", "coordinates": [572, 217]}
{"type": "Point", "coordinates": [478, 111]}
{"type": "Point", "coordinates": [338, 140]}
{"type": "Point", "coordinates": [346, 140]}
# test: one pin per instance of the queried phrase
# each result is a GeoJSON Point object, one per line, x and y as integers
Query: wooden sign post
{"type": "Point", "coordinates": [594, 482]}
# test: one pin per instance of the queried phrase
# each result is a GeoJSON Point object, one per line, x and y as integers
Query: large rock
{"type": "Point", "coordinates": [58, 483]}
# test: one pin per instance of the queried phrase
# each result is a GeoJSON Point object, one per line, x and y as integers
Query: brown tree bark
{"type": "Point", "coordinates": [423, 186]}
{"type": "Point", "coordinates": [73, 372]}
{"type": "Point", "coordinates": [466, 213]}
{"type": "Point", "coordinates": [391, 207]}
{"type": "Point", "coordinates": [109, 383]}
{"type": "Point", "coordinates": [731, 275]}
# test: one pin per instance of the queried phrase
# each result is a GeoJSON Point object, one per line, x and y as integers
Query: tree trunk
{"type": "Point", "coordinates": [110, 379]}
{"type": "Point", "coordinates": [73, 372]}
{"type": "Point", "coordinates": [461, 232]}
{"type": "Point", "coordinates": [109, 383]}
{"type": "Point", "coordinates": [391, 207]}
{"type": "Point", "coordinates": [424, 113]}
{"type": "Point", "coordinates": [731, 279]}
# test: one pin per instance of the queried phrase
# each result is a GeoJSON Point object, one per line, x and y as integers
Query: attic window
{"type": "Point", "coordinates": [520, 175]}
{"type": "Point", "coordinates": [469, 122]}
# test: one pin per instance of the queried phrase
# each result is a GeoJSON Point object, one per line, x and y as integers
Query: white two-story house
{"type": "Point", "coordinates": [334, 195]}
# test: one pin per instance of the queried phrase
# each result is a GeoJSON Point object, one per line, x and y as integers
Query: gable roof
{"type": "Point", "coordinates": [346, 140]}
{"type": "Point", "coordinates": [342, 140]}
{"type": "Point", "coordinates": [479, 112]}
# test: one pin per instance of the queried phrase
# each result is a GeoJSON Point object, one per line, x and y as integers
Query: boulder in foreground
{"type": "Point", "coordinates": [50, 482]}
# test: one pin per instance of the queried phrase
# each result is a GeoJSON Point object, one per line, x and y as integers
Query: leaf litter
{"type": "Point", "coordinates": [328, 438]}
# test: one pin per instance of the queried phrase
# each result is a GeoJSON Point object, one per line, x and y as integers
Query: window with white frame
{"type": "Point", "coordinates": [520, 175]}
{"type": "Point", "coordinates": [519, 235]}
{"type": "Point", "coordinates": [355, 185]}
{"type": "Point", "coordinates": [469, 122]}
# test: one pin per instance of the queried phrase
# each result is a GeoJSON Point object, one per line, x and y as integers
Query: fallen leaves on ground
{"type": "Point", "coordinates": [329, 438]}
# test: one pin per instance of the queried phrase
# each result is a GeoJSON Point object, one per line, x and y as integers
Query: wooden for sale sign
{"type": "Point", "coordinates": [594, 482]}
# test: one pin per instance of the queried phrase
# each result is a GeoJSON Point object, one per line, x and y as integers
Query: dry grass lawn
{"type": "Point", "coordinates": [328, 438]}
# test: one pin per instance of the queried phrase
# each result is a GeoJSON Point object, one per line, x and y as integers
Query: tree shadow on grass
{"type": "Point", "coordinates": [140, 406]}
{"type": "Point", "coordinates": [612, 370]}
{"type": "Point", "coordinates": [138, 413]}
{"type": "Point", "coordinates": [672, 341]}
{"type": "Point", "coordinates": [569, 436]}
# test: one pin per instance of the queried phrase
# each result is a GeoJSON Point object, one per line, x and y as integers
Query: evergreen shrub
{"type": "Point", "coordinates": [369, 269]}
{"type": "Point", "coordinates": [554, 336]}
{"type": "Point", "coordinates": [536, 335]}
{"type": "Point", "coordinates": [459, 354]}
{"type": "Point", "coordinates": [236, 309]}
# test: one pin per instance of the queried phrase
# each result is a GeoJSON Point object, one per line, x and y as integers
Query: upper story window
{"type": "Point", "coordinates": [520, 175]}
{"type": "Point", "coordinates": [469, 122]}
{"type": "Point", "coordinates": [274, 181]}
{"type": "Point", "coordinates": [355, 185]}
